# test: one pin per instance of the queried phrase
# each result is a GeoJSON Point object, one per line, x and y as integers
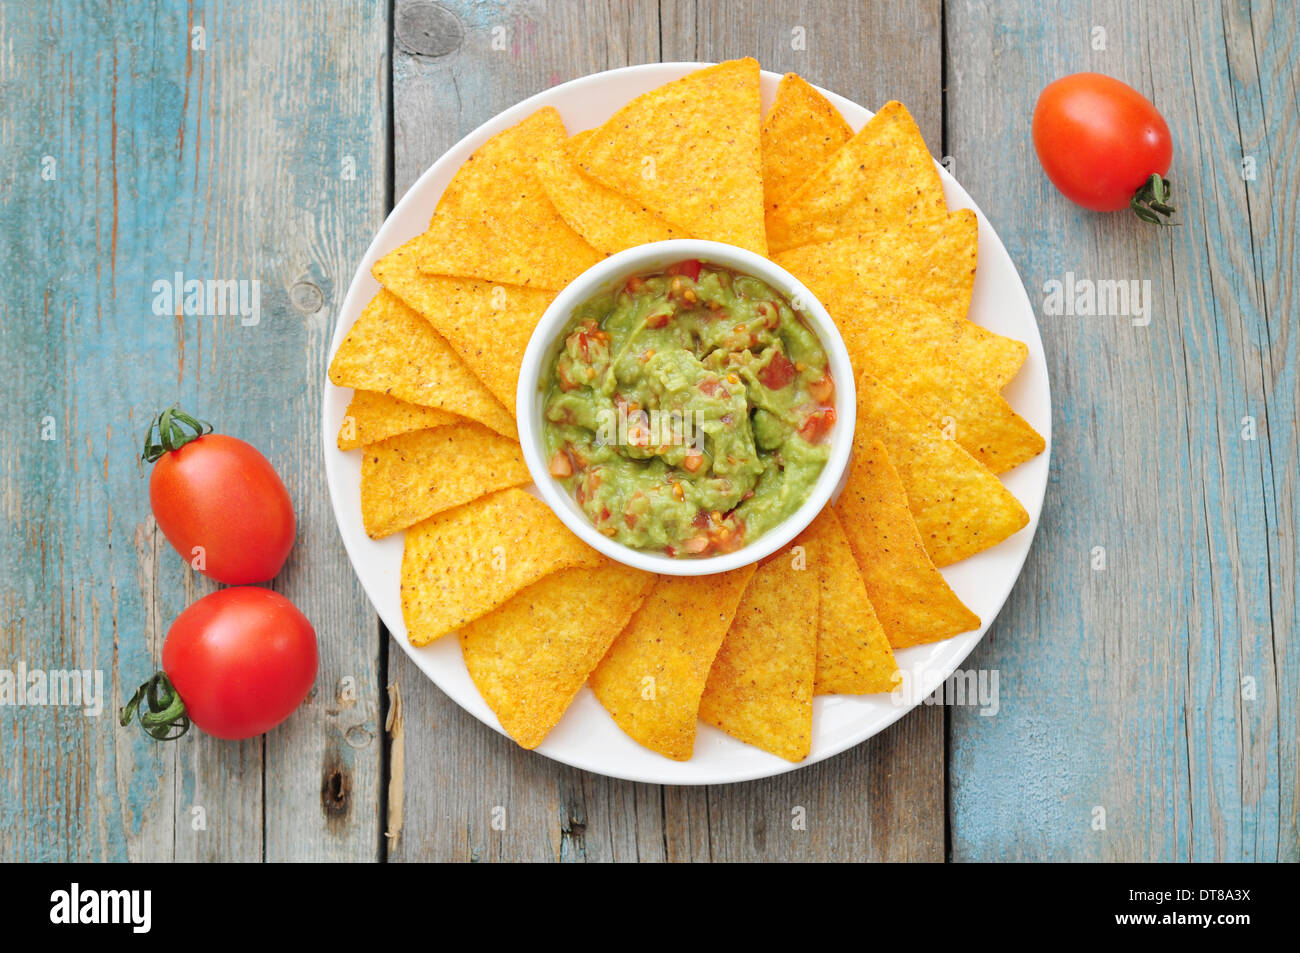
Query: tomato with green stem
{"type": "Point", "coordinates": [1104, 145]}
{"type": "Point", "coordinates": [235, 664]}
{"type": "Point", "coordinates": [218, 501]}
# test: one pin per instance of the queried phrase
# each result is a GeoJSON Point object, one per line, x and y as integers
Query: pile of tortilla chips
{"type": "Point", "coordinates": [860, 218]}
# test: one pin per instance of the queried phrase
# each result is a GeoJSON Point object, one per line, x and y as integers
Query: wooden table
{"type": "Point", "coordinates": [1147, 663]}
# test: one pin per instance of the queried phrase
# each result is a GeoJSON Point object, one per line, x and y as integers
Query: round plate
{"type": "Point", "coordinates": [586, 736]}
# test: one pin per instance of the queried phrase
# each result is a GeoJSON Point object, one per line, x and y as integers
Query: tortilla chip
{"type": "Point", "coordinates": [853, 653]}
{"type": "Point", "coordinates": [860, 301]}
{"type": "Point", "coordinates": [651, 679]}
{"type": "Point", "coordinates": [929, 268]}
{"type": "Point", "coordinates": [530, 656]}
{"type": "Point", "coordinates": [760, 689]}
{"type": "Point", "coordinates": [966, 410]}
{"type": "Point", "coordinates": [463, 563]}
{"type": "Point", "coordinates": [494, 221]}
{"type": "Point", "coordinates": [972, 414]}
{"type": "Point", "coordinates": [488, 325]}
{"type": "Point", "coordinates": [884, 173]}
{"type": "Point", "coordinates": [393, 351]}
{"type": "Point", "coordinates": [800, 132]}
{"type": "Point", "coordinates": [959, 506]}
{"type": "Point", "coordinates": [932, 258]}
{"type": "Point", "coordinates": [991, 357]}
{"type": "Point", "coordinates": [372, 417]}
{"type": "Point", "coordinates": [412, 476]}
{"type": "Point", "coordinates": [914, 351]}
{"type": "Point", "coordinates": [689, 152]}
{"type": "Point", "coordinates": [912, 599]}
{"type": "Point", "coordinates": [610, 222]}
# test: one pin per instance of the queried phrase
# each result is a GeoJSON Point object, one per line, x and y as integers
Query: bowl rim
{"type": "Point", "coordinates": [639, 260]}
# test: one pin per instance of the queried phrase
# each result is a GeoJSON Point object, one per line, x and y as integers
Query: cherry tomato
{"type": "Point", "coordinates": [241, 660]}
{"type": "Point", "coordinates": [218, 501]}
{"type": "Point", "coordinates": [1104, 145]}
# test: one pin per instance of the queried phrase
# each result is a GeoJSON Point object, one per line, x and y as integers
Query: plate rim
{"type": "Point", "coordinates": [359, 293]}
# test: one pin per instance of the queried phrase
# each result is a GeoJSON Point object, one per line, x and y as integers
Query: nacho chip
{"type": "Point", "coordinates": [651, 679]}
{"type": "Point", "coordinates": [463, 563]}
{"type": "Point", "coordinates": [861, 301]}
{"type": "Point", "coordinates": [800, 132]}
{"type": "Point", "coordinates": [912, 599]}
{"type": "Point", "coordinates": [494, 221]}
{"type": "Point", "coordinates": [610, 222]}
{"type": "Point", "coordinates": [933, 258]}
{"type": "Point", "coordinates": [883, 173]}
{"type": "Point", "coordinates": [487, 325]}
{"type": "Point", "coordinates": [412, 476]}
{"type": "Point", "coordinates": [959, 506]}
{"type": "Point", "coordinates": [991, 357]}
{"type": "Point", "coordinates": [689, 152]}
{"type": "Point", "coordinates": [373, 417]}
{"type": "Point", "coordinates": [530, 656]}
{"type": "Point", "coordinates": [393, 351]}
{"type": "Point", "coordinates": [760, 689]}
{"type": "Point", "coordinates": [972, 414]}
{"type": "Point", "coordinates": [913, 350]}
{"type": "Point", "coordinates": [926, 268]}
{"type": "Point", "coordinates": [853, 653]}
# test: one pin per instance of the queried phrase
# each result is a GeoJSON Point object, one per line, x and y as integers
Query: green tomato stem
{"type": "Point", "coordinates": [174, 429]}
{"type": "Point", "coordinates": [166, 718]}
{"type": "Point", "coordinates": [1151, 201]}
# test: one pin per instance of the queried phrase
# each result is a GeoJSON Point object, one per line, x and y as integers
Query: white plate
{"type": "Point", "coordinates": [587, 737]}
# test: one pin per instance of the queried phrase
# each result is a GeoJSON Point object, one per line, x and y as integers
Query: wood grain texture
{"type": "Point", "coordinates": [1125, 688]}
{"type": "Point", "coordinates": [882, 800]}
{"type": "Point", "coordinates": [222, 143]}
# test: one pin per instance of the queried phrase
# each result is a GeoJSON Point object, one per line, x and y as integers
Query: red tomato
{"type": "Point", "coordinates": [818, 424]}
{"type": "Point", "coordinates": [778, 373]}
{"type": "Point", "coordinates": [242, 660]}
{"type": "Point", "coordinates": [689, 268]}
{"type": "Point", "coordinates": [1100, 141]}
{"type": "Point", "coordinates": [221, 494]}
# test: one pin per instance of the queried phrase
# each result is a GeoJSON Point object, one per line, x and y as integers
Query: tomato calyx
{"type": "Point", "coordinates": [1152, 200]}
{"type": "Point", "coordinates": [174, 429]}
{"type": "Point", "coordinates": [166, 719]}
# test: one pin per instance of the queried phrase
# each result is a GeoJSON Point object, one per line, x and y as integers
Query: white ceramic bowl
{"type": "Point", "coordinates": [647, 259]}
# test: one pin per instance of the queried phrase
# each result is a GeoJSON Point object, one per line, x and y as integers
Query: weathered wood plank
{"type": "Point", "coordinates": [882, 800]}
{"type": "Point", "coordinates": [1124, 689]}
{"type": "Point", "coordinates": [458, 772]}
{"type": "Point", "coordinates": [455, 65]}
{"type": "Point", "coordinates": [208, 140]}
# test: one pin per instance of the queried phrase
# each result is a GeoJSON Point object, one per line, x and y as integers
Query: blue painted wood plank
{"type": "Point", "coordinates": [221, 142]}
{"type": "Point", "coordinates": [1160, 689]}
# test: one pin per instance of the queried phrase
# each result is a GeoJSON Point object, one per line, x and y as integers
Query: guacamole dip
{"type": "Point", "coordinates": [686, 411]}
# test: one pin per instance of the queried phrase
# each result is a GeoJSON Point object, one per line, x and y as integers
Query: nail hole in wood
{"type": "Point", "coordinates": [335, 793]}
